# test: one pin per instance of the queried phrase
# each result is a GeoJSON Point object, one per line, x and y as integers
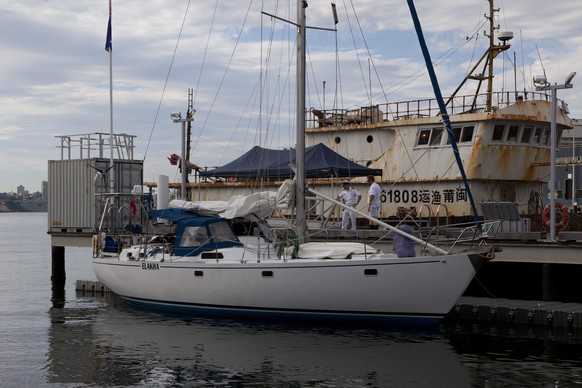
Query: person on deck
{"type": "Point", "coordinates": [374, 200]}
{"type": "Point", "coordinates": [351, 197]}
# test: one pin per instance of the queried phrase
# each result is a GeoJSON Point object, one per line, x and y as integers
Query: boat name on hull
{"type": "Point", "coordinates": [155, 266]}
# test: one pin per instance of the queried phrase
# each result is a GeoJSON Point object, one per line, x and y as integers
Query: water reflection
{"type": "Point", "coordinates": [518, 355]}
{"type": "Point", "coordinates": [106, 343]}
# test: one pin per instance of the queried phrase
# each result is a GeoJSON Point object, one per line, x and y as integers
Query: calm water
{"type": "Point", "coordinates": [99, 341]}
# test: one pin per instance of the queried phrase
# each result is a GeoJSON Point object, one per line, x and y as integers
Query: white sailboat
{"type": "Point", "coordinates": [194, 263]}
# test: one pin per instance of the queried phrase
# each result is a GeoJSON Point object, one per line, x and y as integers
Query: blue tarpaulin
{"type": "Point", "coordinates": [320, 162]}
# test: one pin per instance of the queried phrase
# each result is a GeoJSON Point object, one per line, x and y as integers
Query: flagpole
{"type": "Point", "coordinates": [109, 48]}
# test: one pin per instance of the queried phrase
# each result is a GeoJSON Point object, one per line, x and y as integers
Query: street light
{"type": "Point", "coordinates": [177, 118]}
{"type": "Point", "coordinates": [542, 84]}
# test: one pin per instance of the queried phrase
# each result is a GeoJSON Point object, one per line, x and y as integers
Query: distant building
{"type": "Point", "coordinates": [44, 189]}
{"type": "Point", "coordinates": [21, 191]}
{"type": "Point", "coordinates": [569, 172]}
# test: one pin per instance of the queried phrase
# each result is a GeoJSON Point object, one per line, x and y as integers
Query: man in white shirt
{"type": "Point", "coordinates": [351, 197]}
{"type": "Point", "coordinates": [374, 200]}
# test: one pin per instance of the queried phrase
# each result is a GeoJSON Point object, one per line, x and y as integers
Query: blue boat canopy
{"type": "Point", "coordinates": [320, 162]}
{"type": "Point", "coordinates": [196, 235]}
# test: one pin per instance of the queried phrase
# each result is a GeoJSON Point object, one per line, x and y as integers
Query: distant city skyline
{"type": "Point", "coordinates": [23, 191]}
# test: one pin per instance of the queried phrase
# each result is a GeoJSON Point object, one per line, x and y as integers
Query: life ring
{"type": "Point", "coordinates": [565, 216]}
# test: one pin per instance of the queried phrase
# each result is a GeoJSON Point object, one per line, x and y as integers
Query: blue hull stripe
{"type": "Point", "coordinates": [263, 313]}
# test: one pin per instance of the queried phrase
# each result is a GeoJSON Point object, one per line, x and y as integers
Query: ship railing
{"type": "Point", "coordinates": [412, 109]}
{"type": "Point", "coordinates": [96, 145]}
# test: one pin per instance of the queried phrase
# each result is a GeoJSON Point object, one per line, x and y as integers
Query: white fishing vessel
{"type": "Point", "coordinates": [503, 137]}
{"type": "Point", "coordinates": [193, 262]}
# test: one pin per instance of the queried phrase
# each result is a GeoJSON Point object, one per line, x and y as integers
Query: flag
{"type": "Point", "coordinates": [108, 38]}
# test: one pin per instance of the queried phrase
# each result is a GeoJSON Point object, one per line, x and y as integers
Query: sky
{"type": "Point", "coordinates": [54, 71]}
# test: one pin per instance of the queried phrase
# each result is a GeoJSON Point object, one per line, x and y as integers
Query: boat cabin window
{"type": "Point", "coordinates": [467, 134]}
{"type": "Point", "coordinates": [221, 232]}
{"type": "Point", "coordinates": [516, 133]}
{"type": "Point", "coordinates": [436, 136]}
{"type": "Point", "coordinates": [546, 137]}
{"type": "Point", "coordinates": [423, 137]}
{"type": "Point", "coordinates": [463, 134]}
{"type": "Point", "coordinates": [512, 133]}
{"type": "Point", "coordinates": [537, 136]}
{"type": "Point", "coordinates": [194, 236]}
{"type": "Point", "coordinates": [498, 132]}
{"type": "Point", "coordinates": [526, 134]}
{"type": "Point", "coordinates": [431, 137]}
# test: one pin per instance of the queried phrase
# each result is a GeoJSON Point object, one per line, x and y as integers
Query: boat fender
{"type": "Point", "coordinates": [96, 245]}
{"type": "Point", "coordinates": [565, 216]}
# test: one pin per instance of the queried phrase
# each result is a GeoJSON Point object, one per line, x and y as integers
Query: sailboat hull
{"type": "Point", "coordinates": [417, 291]}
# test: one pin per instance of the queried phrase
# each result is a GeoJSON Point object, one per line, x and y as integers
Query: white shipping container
{"type": "Point", "coordinates": [77, 190]}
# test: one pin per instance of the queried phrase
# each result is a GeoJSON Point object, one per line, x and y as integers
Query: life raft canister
{"type": "Point", "coordinates": [565, 216]}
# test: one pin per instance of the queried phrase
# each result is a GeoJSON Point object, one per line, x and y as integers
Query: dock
{"type": "Point", "coordinates": [528, 312]}
{"type": "Point", "coordinates": [91, 286]}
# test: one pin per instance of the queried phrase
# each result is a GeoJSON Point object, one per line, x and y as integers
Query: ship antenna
{"type": "Point", "coordinates": [541, 62]}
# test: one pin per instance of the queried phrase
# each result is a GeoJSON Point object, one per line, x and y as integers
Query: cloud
{"type": "Point", "coordinates": [54, 73]}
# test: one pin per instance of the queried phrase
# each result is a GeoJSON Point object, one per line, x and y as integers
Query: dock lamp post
{"type": "Point", "coordinates": [542, 84]}
{"type": "Point", "coordinates": [177, 118]}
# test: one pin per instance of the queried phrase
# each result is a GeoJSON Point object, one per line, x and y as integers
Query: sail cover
{"type": "Point", "coordinates": [320, 162]}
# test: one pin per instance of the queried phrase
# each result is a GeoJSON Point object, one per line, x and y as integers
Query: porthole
{"type": "Point", "coordinates": [370, 138]}
{"type": "Point", "coordinates": [338, 140]}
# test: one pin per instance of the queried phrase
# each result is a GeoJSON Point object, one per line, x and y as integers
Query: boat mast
{"type": "Point", "coordinates": [491, 56]}
{"type": "Point", "coordinates": [487, 72]}
{"type": "Point", "coordinates": [109, 48]}
{"type": "Point", "coordinates": [301, 225]}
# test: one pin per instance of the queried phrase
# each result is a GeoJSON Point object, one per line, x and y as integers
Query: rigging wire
{"type": "Point", "coordinates": [220, 84]}
{"type": "Point", "coordinates": [205, 51]}
{"type": "Point", "coordinates": [166, 84]}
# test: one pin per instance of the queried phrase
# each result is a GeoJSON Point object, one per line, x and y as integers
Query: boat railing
{"type": "Point", "coordinates": [412, 109]}
{"type": "Point", "coordinates": [472, 233]}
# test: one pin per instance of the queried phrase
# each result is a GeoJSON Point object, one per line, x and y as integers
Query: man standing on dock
{"type": "Point", "coordinates": [351, 197]}
{"type": "Point", "coordinates": [374, 200]}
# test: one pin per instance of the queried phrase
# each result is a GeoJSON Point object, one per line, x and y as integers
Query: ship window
{"type": "Point", "coordinates": [430, 137]}
{"type": "Point", "coordinates": [467, 134]}
{"type": "Point", "coordinates": [498, 132]}
{"type": "Point", "coordinates": [457, 133]}
{"type": "Point", "coordinates": [512, 133]}
{"type": "Point", "coordinates": [338, 140]}
{"type": "Point", "coordinates": [436, 136]}
{"type": "Point", "coordinates": [370, 138]}
{"type": "Point", "coordinates": [423, 137]}
{"type": "Point", "coordinates": [526, 134]}
{"type": "Point", "coordinates": [537, 136]}
{"type": "Point", "coordinates": [545, 137]}
{"type": "Point", "coordinates": [462, 134]}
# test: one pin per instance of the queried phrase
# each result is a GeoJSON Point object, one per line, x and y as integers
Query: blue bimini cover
{"type": "Point", "coordinates": [196, 234]}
